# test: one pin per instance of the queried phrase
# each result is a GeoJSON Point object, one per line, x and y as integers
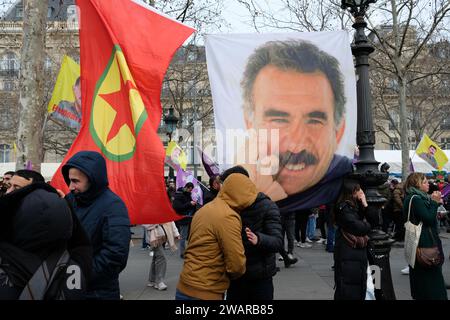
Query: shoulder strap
{"type": "Point", "coordinates": [41, 280]}
{"type": "Point", "coordinates": [409, 207]}
{"type": "Point", "coordinates": [432, 237]}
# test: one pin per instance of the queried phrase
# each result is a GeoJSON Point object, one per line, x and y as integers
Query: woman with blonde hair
{"type": "Point", "coordinates": [427, 282]}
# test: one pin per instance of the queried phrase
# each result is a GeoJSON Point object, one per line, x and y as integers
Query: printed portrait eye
{"type": "Point", "coordinates": [280, 120]}
{"type": "Point", "coordinates": [315, 121]}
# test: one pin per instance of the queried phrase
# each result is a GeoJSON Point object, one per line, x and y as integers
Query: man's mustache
{"type": "Point", "coordinates": [297, 158]}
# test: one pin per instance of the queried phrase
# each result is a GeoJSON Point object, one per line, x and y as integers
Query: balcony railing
{"type": "Point", "coordinates": [17, 26]}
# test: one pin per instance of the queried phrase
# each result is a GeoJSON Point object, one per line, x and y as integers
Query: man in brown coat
{"type": "Point", "coordinates": [397, 210]}
{"type": "Point", "coordinates": [215, 253]}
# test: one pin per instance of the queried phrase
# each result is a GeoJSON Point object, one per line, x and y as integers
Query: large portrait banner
{"type": "Point", "coordinates": [285, 109]}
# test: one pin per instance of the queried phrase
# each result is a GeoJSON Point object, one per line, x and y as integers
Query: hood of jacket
{"type": "Point", "coordinates": [238, 191]}
{"type": "Point", "coordinates": [40, 220]}
{"type": "Point", "coordinates": [93, 165]}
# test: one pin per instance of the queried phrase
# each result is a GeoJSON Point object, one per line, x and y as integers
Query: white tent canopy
{"type": "Point", "coordinates": [394, 159]}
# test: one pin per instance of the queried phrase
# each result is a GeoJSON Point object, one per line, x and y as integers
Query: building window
{"type": "Point", "coordinates": [392, 84]}
{"type": "Point", "coordinates": [395, 118]}
{"type": "Point", "coordinates": [5, 153]}
{"type": "Point", "coordinates": [394, 144]}
{"type": "Point", "coordinates": [48, 63]}
{"type": "Point", "coordinates": [71, 11]}
{"type": "Point", "coordinates": [19, 12]}
{"type": "Point", "coordinates": [9, 86]}
{"type": "Point", "coordinates": [191, 56]}
{"type": "Point", "coordinates": [445, 143]}
{"type": "Point", "coordinates": [445, 125]}
{"type": "Point", "coordinates": [413, 143]}
{"type": "Point", "coordinates": [5, 119]}
{"type": "Point", "coordinates": [9, 64]}
{"type": "Point", "coordinates": [72, 17]}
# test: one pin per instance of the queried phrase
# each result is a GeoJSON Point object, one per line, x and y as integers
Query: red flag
{"type": "Point", "coordinates": [125, 49]}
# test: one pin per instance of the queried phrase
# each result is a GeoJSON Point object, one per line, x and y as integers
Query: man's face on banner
{"type": "Point", "coordinates": [432, 150]}
{"type": "Point", "coordinates": [175, 155]}
{"type": "Point", "coordinates": [77, 93]}
{"type": "Point", "coordinates": [301, 107]}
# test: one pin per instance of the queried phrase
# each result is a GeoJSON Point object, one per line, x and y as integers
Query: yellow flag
{"type": "Point", "coordinates": [429, 151]}
{"type": "Point", "coordinates": [175, 156]}
{"type": "Point", "coordinates": [64, 105]}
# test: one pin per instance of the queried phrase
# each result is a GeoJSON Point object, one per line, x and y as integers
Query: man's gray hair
{"type": "Point", "coordinates": [298, 55]}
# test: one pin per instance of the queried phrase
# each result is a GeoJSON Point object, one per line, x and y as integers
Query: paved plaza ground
{"type": "Point", "coordinates": [311, 278]}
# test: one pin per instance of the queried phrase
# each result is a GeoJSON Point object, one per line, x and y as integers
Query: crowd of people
{"type": "Point", "coordinates": [228, 245]}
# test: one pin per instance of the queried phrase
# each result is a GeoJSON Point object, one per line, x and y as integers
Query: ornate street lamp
{"type": "Point", "coordinates": [367, 172]}
{"type": "Point", "coordinates": [170, 122]}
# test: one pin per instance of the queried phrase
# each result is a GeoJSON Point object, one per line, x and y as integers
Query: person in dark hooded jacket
{"type": "Point", "coordinates": [262, 239]}
{"type": "Point", "coordinates": [104, 216]}
{"type": "Point", "coordinates": [36, 225]}
{"type": "Point", "coordinates": [350, 251]}
{"type": "Point", "coordinates": [186, 207]}
{"type": "Point", "coordinates": [214, 188]}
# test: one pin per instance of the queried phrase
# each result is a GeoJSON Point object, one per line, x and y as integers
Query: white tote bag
{"type": "Point", "coordinates": [412, 236]}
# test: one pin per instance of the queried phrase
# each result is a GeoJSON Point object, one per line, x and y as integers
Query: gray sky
{"type": "Point", "coordinates": [234, 13]}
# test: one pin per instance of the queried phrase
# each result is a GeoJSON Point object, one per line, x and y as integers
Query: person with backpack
{"type": "Point", "coordinates": [45, 254]}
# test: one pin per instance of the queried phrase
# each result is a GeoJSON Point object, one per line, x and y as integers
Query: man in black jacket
{"type": "Point", "coordinates": [36, 225]}
{"type": "Point", "coordinates": [185, 206]}
{"type": "Point", "coordinates": [214, 188]}
{"type": "Point", "coordinates": [104, 217]}
{"type": "Point", "coordinates": [262, 238]}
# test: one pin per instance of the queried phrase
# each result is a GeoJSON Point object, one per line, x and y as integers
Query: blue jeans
{"type": "Point", "coordinates": [144, 238]}
{"type": "Point", "coordinates": [181, 296]}
{"type": "Point", "coordinates": [331, 231]}
{"type": "Point", "coordinates": [184, 233]}
{"type": "Point", "coordinates": [311, 228]}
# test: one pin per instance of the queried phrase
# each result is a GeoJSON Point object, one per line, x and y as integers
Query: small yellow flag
{"type": "Point", "coordinates": [429, 151]}
{"type": "Point", "coordinates": [64, 105]}
{"type": "Point", "coordinates": [175, 156]}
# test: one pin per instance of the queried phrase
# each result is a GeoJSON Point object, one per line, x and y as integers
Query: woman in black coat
{"type": "Point", "coordinates": [350, 252]}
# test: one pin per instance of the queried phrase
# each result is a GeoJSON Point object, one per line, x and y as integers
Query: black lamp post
{"type": "Point", "coordinates": [367, 172]}
{"type": "Point", "coordinates": [170, 121]}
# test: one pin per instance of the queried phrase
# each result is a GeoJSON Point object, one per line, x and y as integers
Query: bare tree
{"type": "Point", "coordinates": [414, 26]}
{"type": "Point", "coordinates": [186, 85]}
{"type": "Point", "coordinates": [186, 88]}
{"type": "Point", "coordinates": [204, 16]}
{"type": "Point", "coordinates": [300, 15]}
{"type": "Point", "coordinates": [427, 103]}
{"type": "Point", "coordinates": [30, 131]}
